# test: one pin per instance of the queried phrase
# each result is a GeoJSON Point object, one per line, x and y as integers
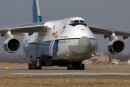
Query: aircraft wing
{"type": "Point", "coordinates": [108, 31]}
{"type": "Point", "coordinates": [19, 29]}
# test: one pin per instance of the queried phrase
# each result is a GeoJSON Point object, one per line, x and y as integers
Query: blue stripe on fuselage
{"type": "Point", "coordinates": [55, 47]}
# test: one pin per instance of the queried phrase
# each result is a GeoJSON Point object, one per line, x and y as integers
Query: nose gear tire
{"type": "Point", "coordinates": [75, 66]}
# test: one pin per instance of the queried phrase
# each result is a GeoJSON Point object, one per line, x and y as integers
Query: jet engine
{"type": "Point", "coordinates": [116, 46]}
{"type": "Point", "coordinates": [11, 45]}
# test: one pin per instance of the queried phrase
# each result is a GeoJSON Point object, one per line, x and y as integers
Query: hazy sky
{"type": "Point", "coordinates": [106, 13]}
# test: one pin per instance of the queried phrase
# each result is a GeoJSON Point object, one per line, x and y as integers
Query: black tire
{"type": "Point", "coordinates": [31, 66]}
{"type": "Point", "coordinates": [34, 66]}
{"type": "Point", "coordinates": [69, 67]}
{"type": "Point", "coordinates": [75, 66]}
{"type": "Point", "coordinates": [39, 67]}
{"type": "Point", "coordinates": [82, 67]}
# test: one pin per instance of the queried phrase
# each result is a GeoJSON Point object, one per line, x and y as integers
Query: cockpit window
{"type": "Point", "coordinates": [81, 21]}
{"type": "Point", "coordinates": [77, 22]}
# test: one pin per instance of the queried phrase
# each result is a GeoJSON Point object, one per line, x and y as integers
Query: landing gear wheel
{"type": "Point", "coordinates": [35, 65]}
{"type": "Point", "coordinates": [82, 67]}
{"type": "Point", "coordinates": [75, 66]}
{"type": "Point", "coordinates": [31, 66]}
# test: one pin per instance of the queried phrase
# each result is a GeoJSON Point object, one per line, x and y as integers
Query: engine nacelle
{"type": "Point", "coordinates": [116, 46]}
{"type": "Point", "coordinates": [11, 45]}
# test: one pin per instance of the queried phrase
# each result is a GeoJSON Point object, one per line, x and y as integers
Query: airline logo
{"type": "Point", "coordinates": [55, 34]}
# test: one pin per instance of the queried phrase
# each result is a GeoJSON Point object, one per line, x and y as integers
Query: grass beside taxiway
{"type": "Point", "coordinates": [37, 81]}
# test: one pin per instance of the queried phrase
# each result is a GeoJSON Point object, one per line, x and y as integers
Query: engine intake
{"type": "Point", "coordinates": [116, 46]}
{"type": "Point", "coordinates": [11, 45]}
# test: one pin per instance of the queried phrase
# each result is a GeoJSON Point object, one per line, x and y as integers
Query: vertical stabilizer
{"type": "Point", "coordinates": [36, 11]}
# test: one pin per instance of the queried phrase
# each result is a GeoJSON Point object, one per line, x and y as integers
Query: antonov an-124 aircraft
{"type": "Point", "coordinates": [66, 42]}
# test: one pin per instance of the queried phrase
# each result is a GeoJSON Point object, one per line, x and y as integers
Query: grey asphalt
{"type": "Point", "coordinates": [51, 73]}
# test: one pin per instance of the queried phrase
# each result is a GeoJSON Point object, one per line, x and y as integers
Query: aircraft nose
{"type": "Point", "coordinates": [83, 46]}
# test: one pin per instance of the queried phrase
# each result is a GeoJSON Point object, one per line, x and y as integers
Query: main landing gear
{"type": "Point", "coordinates": [35, 65]}
{"type": "Point", "coordinates": [75, 66]}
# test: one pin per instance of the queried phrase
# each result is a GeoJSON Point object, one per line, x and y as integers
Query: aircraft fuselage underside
{"type": "Point", "coordinates": [62, 50]}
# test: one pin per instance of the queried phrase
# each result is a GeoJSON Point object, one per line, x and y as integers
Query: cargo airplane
{"type": "Point", "coordinates": [66, 42]}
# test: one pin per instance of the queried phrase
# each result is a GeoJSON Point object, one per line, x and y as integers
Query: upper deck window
{"type": "Point", "coordinates": [77, 22]}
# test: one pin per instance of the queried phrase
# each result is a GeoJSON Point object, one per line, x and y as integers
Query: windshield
{"type": "Point", "coordinates": [77, 22]}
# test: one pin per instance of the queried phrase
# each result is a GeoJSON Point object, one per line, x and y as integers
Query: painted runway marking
{"type": "Point", "coordinates": [73, 74]}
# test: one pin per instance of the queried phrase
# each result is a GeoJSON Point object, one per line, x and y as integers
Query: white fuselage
{"type": "Point", "coordinates": [67, 39]}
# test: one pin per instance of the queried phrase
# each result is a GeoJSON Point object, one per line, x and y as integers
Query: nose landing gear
{"type": "Point", "coordinates": [75, 66]}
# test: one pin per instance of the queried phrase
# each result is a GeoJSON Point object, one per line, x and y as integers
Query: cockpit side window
{"type": "Point", "coordinates": [77, 22]}
{"type": "Point", "coordinates": [81, 21]}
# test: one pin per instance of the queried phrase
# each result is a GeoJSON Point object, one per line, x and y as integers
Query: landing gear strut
{"type": "Point", "coordinates": [75, 66]}
{"type": "Point", "coordinates": [35, 65]}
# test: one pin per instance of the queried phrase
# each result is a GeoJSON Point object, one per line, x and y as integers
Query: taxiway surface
{"type": "Point", "coordinates": [53, 73]}
{"type": "Point", "coordinates": [91, 70]}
